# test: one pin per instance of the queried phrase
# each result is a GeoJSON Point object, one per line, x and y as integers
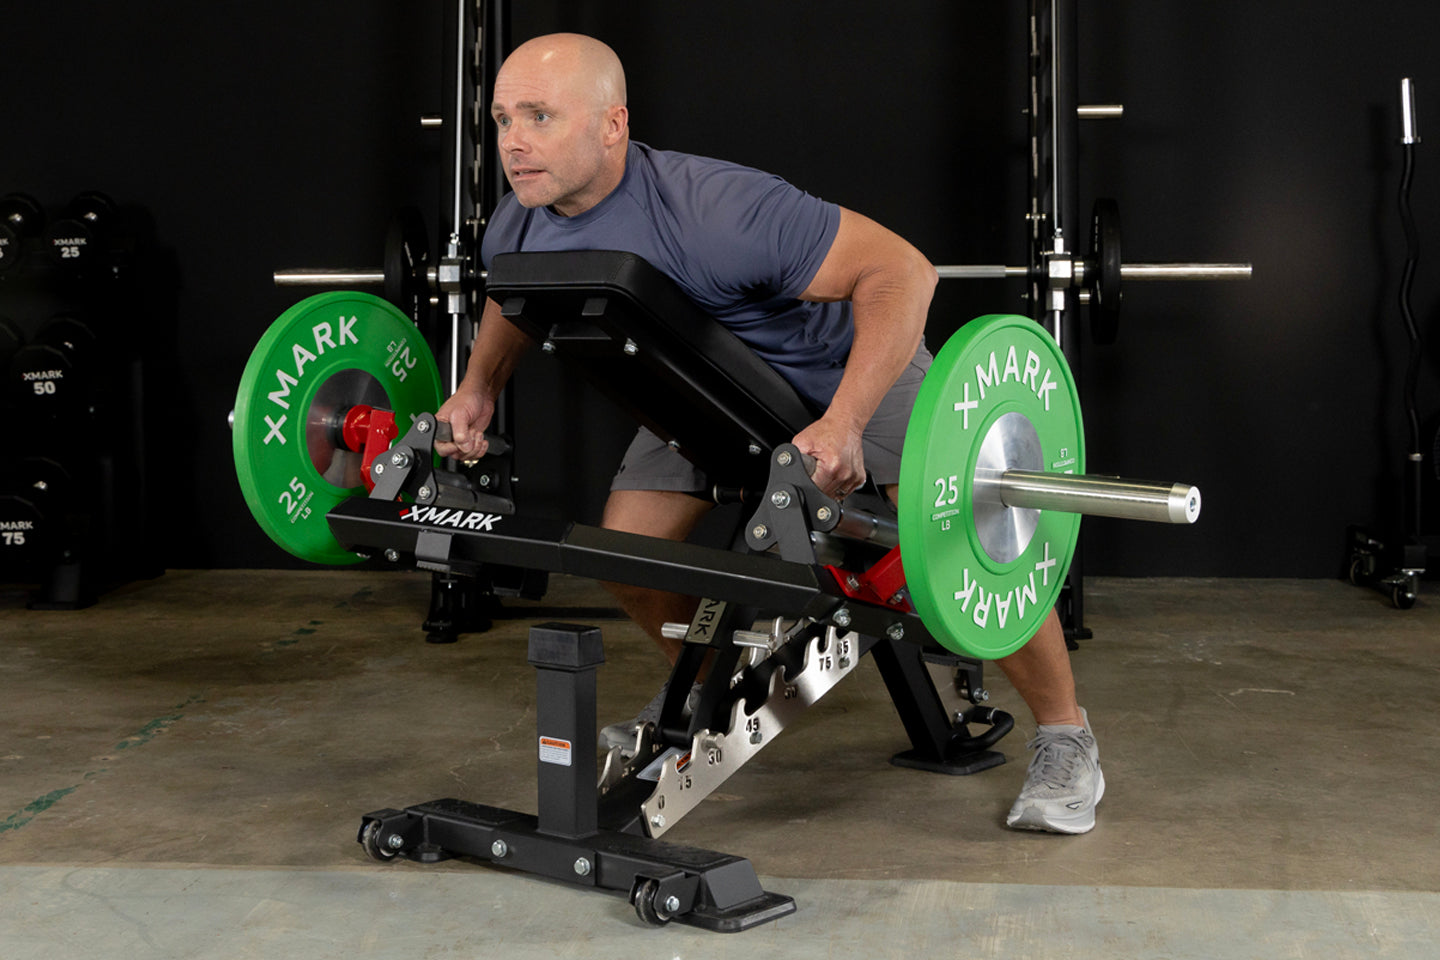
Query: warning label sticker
{"type": "Point", "coordinates": [555, 751]}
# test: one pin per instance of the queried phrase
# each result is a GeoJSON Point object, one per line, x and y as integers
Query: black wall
{"type": "Point", "coordinates": [267, 135]}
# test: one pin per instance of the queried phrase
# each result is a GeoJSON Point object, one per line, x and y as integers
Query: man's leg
{"type": "Point", "coordinates": [654, 513]}
{"type": "Point", "coordinates": [1064, 781]}
{"type": "Point", "coordinates": [1040, 673]}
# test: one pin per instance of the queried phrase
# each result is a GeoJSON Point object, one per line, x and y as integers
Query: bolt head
{"type": "Point", "coordinates": [781, 499]}
{"type": "Point", "coordinates": [672, 904]}
{"type": "Point", "coordinates": [424, 493]}
{"type": "Point", "coordinates": [630, 348]}
{"type": "Point", "coordinates": [391, 554]}
{"type": "Point", "coordinates": [582, 867]}
{"type": "Point", "coordinates": [548, 346]}
{"type": "Point", "coordinates": [759, 531]}
{"type": "Point", "coordinates": [754, 448]}
{"type": "Point", "coordinates": [395, 841]}
{"type": "Point", "coordinates": [657, 821]}
{"type": "Point", "coordinates": [499, 848]}
{"type": "Point", "coordinates": [896, 631]}
{"type": "Point", "coordinates": [423, 426]}
{"type": "Point", "coordinates": [823, 514]}
{"type": "Point", "coordinates": [379, 468]}
{"type": "Point", "coordinates": [841, 617]}
{"type": "Point", "coordinates": [756, 737]}
{"type": "Point", "coordinates": [784, 458]}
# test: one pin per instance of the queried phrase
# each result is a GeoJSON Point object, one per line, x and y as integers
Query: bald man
{"type": "Point", "coordinates": [833, 301]}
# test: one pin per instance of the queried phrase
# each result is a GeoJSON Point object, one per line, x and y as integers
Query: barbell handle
{"type": "Point", "coordinates": [1185, 271]}
{"type": "Point", "coordinates": [344, 277]}
{"type": "Point", "coordinates": [979, 271]}
{"type": "Point", "coordinates": [1128, 271]}
{"type": "Point", "coordinates": [321, 277]}
{"type": "Point", "coordinates": [1065, 492]}
{"type": "Point", "coordinates": [1094, 496]}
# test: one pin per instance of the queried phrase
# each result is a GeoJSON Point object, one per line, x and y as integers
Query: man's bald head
{"type": "Point", "coordinates": [590, 68]}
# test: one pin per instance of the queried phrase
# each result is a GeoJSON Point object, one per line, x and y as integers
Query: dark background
{"type": "Point", "coordinates": [266, 135]}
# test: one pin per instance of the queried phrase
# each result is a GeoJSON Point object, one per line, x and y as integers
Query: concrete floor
{"type": "Point", "coordinates": [183, 768]}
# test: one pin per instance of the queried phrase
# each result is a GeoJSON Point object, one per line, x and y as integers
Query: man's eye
{"type": "Point", "coordinates": [502, 121]}
{"type": "Point", "coordinates": [541, 117]}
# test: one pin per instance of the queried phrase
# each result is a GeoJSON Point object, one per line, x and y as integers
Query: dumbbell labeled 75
{"type": "Point", "coordinates": [999, 397]}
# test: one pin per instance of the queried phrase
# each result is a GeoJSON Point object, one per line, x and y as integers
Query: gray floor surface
{"type": "Point", "coordinates": [184, 766]}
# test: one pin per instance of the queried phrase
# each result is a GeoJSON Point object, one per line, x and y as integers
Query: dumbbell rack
{"type": "Point", "coordinates": [73, 502]}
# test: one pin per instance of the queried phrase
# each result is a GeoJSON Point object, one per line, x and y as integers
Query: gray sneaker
{"type": "Point", "coordinates": [1064, 782]}
{"type": "Point", "coordinates": [622, 734]}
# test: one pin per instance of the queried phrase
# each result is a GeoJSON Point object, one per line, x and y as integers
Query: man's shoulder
{"type": "Point", "coordinates": [503, 228]}
{"type": "Point", "coordinates": [693, 169]}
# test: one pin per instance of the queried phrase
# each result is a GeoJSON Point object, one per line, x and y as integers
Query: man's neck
{"type": "Point", "coordinates": [604, 184]}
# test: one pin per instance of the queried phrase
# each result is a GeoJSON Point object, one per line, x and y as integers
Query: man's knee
{"type": "Point", "coordinates": [653, 513]}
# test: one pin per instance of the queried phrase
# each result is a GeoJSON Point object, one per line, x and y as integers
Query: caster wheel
{"type": "Point", "coordinates": [650, 912]}
{"type": "Point", "coordinates": [1357, 570]}
{"type": "Point", "coordinates": [1402, 597]}
{"type": "Point", "coordinates": [371, 840]}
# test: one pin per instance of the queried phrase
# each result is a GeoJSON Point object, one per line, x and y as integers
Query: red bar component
{"type": "Point", "coordinates": [883, 584]}
{"type": "Point", "coordinates": [355, 428]}
{"type": "Point", "coordinates": [379, 432]}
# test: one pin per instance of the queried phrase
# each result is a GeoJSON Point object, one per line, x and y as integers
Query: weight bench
{"type": "Point", "coordinates": [785, 619]}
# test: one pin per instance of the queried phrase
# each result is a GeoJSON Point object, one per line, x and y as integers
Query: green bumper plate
{"type": "Point", "coordinates": [971, 603]}
{"type": "Point", "coordinates": [326, 353]}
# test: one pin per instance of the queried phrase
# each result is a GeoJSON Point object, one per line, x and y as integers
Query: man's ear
{"type": "Point", "coordinates": [617, 123]}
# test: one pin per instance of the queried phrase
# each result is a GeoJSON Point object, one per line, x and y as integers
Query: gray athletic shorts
{"type": "Point", "coordinates": [650, 464]}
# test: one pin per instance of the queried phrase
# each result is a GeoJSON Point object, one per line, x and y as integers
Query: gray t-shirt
{"type": "Point", "coordinates": [741, 243]}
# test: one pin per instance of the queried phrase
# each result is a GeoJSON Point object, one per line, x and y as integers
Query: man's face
{"type": "Point", "coordinates": [551, 136]}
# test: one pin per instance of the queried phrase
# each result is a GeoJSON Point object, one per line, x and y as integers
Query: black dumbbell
{"type": "Point", "coordinates": [20, 217]}
{"type": "Point", "coordinates": [33, 527]}
{"type": "Point", "coordinates": [77, 240]}
{"type": "Point", "coordinates": [52, 376]}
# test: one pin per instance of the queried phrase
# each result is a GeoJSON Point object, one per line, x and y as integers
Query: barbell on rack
{"type": "Point", "coordinates": [1097, 276]}
{"type": "Point", "coordinates": [409, 279]}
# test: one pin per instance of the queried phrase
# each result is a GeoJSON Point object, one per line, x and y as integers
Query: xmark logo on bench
{"type": "Point", "coordinates": [459, 519]}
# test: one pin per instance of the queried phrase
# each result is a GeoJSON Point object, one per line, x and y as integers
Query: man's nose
{"type": "Point", "coordinates": [510, 140]}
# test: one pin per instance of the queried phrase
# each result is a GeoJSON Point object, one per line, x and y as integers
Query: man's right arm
{"type": "Point", "coordinates": [498, 347]}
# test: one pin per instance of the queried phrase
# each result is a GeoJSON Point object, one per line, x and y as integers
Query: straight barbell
{"type": "Point", "coordinates": [992, 483]}
{"type": "Point", "coordinates": [1128, 271]}
{"type": "Point", "coordinates": [408, 278]}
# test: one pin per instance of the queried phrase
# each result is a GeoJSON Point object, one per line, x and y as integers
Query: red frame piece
{"type": "Point", "coordinates": [370, 431]}
{"type": "Point", "coordinates": [882, 585]}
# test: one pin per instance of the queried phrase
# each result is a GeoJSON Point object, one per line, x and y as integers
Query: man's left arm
{"type": "Point", "coordinates": [889, 285]}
